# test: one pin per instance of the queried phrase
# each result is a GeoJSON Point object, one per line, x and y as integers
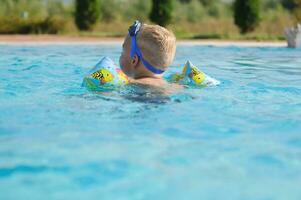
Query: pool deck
{"type": "Point", "coordinates": [55, 39]}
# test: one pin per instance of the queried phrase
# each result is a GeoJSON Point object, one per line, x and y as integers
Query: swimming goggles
{"type": "Point", "coordinates": [133, 30]}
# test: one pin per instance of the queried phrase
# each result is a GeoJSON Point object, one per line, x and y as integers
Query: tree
{"type": "Point", "coordinates": [247, 14]}
{"type": "Point", "coordinates": [294, 6]}
{"type": "Point", "coordinates": [289, 4]}
{"type": "Point", "coordinates": [86, 13]}
{"type": "Point", "coordinates": [161, 12]}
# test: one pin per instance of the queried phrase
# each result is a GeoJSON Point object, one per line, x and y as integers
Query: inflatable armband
{"type": "Point", "coordinates": [105, 74]}
{"type": "Point", "coordinates": [191, 75]}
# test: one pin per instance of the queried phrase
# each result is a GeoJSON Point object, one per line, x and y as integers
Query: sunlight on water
{"type": "Point", "coordinates": [240, 140]}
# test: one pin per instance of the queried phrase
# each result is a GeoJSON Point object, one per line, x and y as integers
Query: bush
{"type": "Point", "coordinates": [109, 10]}
{"type": "Point", "coordinates": [194, 11]}
{"type": "Point", "coordinates": [51, 25]}
{"type": "Point", "coordinates": [246, 14]}
{"type": "Point", "coordinates": [86, 13]}
{"type": "Point", "coordinates": [294, 6]}
{"type": "Point", "coordinates": [161, 12]}
{"type": "Point", "coordinates": [289, 4]}
{"type": "Point", "coordinates": [185, 1]}
{"type": "Point", "coordinates": [208, 2]}
{"type": "Point", "coordinates": [271, 4]}
{"type": "Point", "coordinates": [214, 10]}
{"type": "Point", "coordinates": [138, 9]}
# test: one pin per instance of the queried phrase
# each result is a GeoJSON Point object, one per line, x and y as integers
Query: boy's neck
{"type": "Point", "coordinates": [143, 73]}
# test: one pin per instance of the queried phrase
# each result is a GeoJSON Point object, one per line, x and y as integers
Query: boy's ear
{"type": "Point", "coordinates": [135, 60]}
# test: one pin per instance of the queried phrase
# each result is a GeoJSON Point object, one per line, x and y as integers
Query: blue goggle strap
{"type": "Point", "coordinates": [135, 50]}
{"type": "Point", "coordinates": [133, 30]}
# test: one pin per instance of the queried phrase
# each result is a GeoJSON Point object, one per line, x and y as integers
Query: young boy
{"type": "Point", "coordinates": [147, 52]}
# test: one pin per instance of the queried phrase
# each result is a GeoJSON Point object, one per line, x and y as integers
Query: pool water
{"type": "Point", "coordinates": [239, 140]}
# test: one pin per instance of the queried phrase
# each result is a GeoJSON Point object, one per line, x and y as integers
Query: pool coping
{"type": "Point", "coordinates": [76, 40]}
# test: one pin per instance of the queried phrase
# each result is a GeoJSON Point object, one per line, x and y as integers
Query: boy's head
{"type": "Point", "coordinates": [152, 48]}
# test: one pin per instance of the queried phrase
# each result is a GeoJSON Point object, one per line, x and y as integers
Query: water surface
{"type": "Point", "coordinates": [240, 140]}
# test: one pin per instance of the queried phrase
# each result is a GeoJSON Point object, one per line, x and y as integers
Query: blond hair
{"type": "Point", "coordinates": [157, 45]}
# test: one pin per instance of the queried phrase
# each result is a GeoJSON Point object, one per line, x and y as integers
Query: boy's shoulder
{"type": "Point", "coordinates": [159, 83]}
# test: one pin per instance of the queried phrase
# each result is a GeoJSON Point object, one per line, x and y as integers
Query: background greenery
{"type": "Point", "coordinates": [191, 19]}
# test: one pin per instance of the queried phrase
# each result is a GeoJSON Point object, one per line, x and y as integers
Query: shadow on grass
{"type": "Point", "coordinates": [207, 36]}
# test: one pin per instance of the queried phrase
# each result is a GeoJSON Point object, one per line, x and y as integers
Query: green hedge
{"type": "Point", "coordinates": [161, 12]}
{"type": "Point", "coordinates": [246, 14]}
{"type": "Point", "coordinates": [87, 13]}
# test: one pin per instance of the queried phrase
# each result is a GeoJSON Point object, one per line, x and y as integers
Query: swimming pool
{"type": "Point", "coordinates": [240, 140]}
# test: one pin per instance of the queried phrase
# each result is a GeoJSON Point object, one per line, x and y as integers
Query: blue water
{"type": "Point", "coordinates": [240, 140]}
